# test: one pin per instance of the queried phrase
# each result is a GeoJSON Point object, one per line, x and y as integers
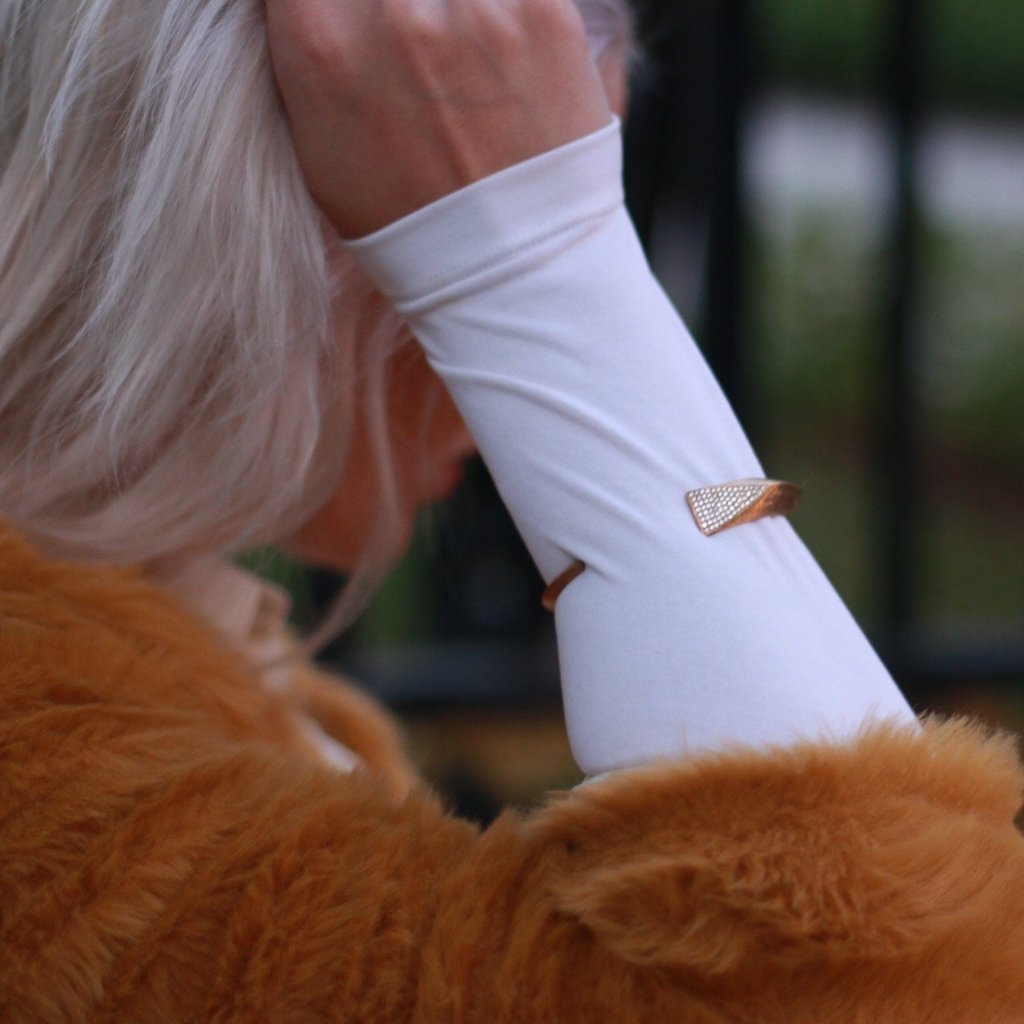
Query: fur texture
{"type": "Point", "coordinates": [170, 851]}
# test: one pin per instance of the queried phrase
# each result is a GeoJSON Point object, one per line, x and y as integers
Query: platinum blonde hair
{"type": "Point", "coordinates": [168, 306]}
{"type": "Point", "coordinates": [609, 26]}
{"type": "Point", "coordinates": [183, 352]}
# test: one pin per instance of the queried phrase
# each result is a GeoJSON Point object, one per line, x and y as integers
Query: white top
{"type": "Point", "coordinates": [596, 414]}
{"type": "Point", "coordinates": [252, 616]}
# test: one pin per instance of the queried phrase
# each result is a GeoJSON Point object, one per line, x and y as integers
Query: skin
{"type": "Point", "coordinates": [428, 443]}
{"type": "Point", "coordinates": [466, 107]}
{"type": "Point", "coordinates": [439, 93]}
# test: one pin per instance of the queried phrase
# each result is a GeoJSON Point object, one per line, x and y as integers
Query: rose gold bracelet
{"type": "Point", "coordinates": [714, 509]}
{"type": "Point", "coordinates": [723, 506]}
{"type": "Point", "coordinates": [559, 584]}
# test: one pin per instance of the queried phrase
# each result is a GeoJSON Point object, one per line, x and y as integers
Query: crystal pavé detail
{"type": "Point", "coordinates": [742, 501]}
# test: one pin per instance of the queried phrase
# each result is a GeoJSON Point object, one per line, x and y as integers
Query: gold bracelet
{"type": "Point", "coordinates": [722, 506]}
{"type": "Point", "coordinates": [559, 584]}
{"type": "Point", "coordinates": [714, 509]}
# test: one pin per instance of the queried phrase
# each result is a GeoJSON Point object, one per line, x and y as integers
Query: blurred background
{"type": "Point", "coordinates": [832, 191]}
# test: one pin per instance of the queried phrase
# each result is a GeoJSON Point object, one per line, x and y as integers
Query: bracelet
{"type": "Point", "coordinates": [723, 506]}
{"type": "Point", "coordinates": [715, 508]}
{"type": "Point", "coordinates": [559, 584]}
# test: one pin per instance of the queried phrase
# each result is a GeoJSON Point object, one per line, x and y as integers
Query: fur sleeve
{"type": "Point", "coordinates": [162, 859]}
{"type": "Point", "coordinates": [874, 881]}
{"type": "Point", "coordinates": [152, 875]}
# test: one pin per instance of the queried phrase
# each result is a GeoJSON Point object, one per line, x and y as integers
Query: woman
{"type": "Point", "coordinates": [194, 361]}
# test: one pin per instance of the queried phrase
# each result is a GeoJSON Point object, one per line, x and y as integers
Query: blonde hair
{"type": "Point", "coordinates": [167, 336]}
{"type": "Point", "coordinates": [609, 25]}
{"type": "Point", "coordinates": [182, 352]}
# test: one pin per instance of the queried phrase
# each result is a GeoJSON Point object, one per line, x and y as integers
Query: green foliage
{"type": "Point", "coordinates": [977, 52]}
{"type": "Point", "coordinates": [818, 309]}
{"type": "Point", "coordinates": [973, 49]}
{"type": "Point", "coordinates": [831, 44]}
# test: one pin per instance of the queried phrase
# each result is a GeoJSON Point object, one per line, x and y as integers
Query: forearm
{"type": "Point", "coordinates": [596, 415]}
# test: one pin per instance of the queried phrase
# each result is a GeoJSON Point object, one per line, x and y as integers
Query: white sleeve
{"type": "Point", "coordinates": [596, 414]}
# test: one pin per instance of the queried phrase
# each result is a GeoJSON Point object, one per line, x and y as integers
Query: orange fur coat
{"type": "Point", "coordinates": [170, 851]}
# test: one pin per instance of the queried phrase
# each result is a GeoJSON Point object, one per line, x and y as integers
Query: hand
{"type": "Point", "coordinates": [396, 103]}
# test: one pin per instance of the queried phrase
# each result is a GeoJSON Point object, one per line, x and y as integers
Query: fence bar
{"type": "Point", "coordinates": [726, 325]}
{"type": "Point", "coordinates": [898, 448]}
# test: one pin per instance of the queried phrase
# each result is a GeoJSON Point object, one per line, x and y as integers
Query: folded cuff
{"type": "Point", "coordinates": [495, 219]}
